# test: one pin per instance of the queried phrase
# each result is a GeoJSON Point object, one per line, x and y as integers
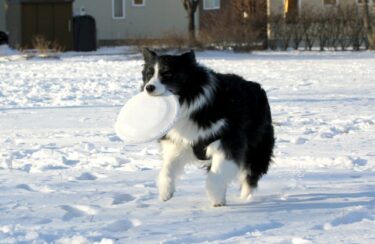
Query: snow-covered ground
{"type": "Point", "coordinates": [66, 178]}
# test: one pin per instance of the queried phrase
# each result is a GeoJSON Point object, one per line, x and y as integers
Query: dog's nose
{"type": "Point", "coordinates": [150, 88]}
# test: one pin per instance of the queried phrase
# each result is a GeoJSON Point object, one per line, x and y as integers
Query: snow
{"type": "Point", "coordinates": [65, 177]}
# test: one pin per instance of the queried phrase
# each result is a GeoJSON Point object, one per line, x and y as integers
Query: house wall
{"type": "Point", "coordinates": [154, 20]}
{"type": "Point", "coordinates": [206, 17]}
{"type": "Point", "coordinates": [2, 15]}
{"type": "Point", "coordinates": [235, 20]}
{"type": "Point", "coordinates": [276, 6]}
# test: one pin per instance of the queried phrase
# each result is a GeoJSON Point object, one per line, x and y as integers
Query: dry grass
{"type": "Point", "coordinates": [44, 47]}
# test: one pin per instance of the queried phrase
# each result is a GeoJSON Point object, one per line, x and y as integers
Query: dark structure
{"type": "Point", "coordinates": [84, 29]}
{"type": "Point", "coordinates": [3, 38]}
{"type": "Point", "coordinates": [48, 19]}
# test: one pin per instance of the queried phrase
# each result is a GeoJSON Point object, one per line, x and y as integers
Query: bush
{"type": "Point", "coordinates": [338, 27]}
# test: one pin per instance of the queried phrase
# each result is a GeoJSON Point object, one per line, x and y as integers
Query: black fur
{"type": "Point", "coordinates": [248, 137]}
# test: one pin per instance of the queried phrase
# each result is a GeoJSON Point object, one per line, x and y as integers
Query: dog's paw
{"type": "Point", "coordinates": [166, 188]}
{"type": "Point", "coordinates": [246, 198]}
{"type": "Point", "coordinates": [165, 195]}
{"type": "Point", "coordinates": [215, 205]}
{"type": "Point", "coordinates": [218, 203]}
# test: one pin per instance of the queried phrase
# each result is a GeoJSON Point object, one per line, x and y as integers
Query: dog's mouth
{"type": "Point", "coordinates": [165, 93]}
{"type": "Point", "coordinates": [160, 90]}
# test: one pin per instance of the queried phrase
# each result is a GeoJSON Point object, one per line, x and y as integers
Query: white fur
{"type": "Point", "coordinates": [175, 157]}
{"type": "Point", "coordinates": [222, 172]}
{"type": "Point", "coordinates": [187, 132]}
{"type": "Point", "coordinates": [213, 148]}
{"type": "Point", "coordinates": [246, 190]}
{"type": "Point", "coordinates": [155, 80]}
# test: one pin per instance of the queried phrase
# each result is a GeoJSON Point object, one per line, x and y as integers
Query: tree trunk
{"type": "Point", "coordinates": [368, 26]}
{"type": "Point", "coordinates": [191, 7]}
{"type": "Point", "coordinates": [192, 38]}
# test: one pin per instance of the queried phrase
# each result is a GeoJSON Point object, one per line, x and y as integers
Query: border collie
{"type": "Point", "coordinates": [225, 121]}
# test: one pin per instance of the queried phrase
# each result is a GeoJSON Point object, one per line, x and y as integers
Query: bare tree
{"type": "Point", "coordinates": [323, 31]}
{"type": "Point", "coordinates": [345, 15]}
{"type": "Point", "coordinates": [191, 7]}
{"type": "Point", "coordinates": [370, 34]}
{"type": "Point", "coordinates": [286, 34]}
{"type": "Point", "coordinates": [275, 22]}
{"type": "Point", "coordinates": [356, 30]}
{"type": "Point", "coordinates": [282, 32]}
{"type": "Point", "coordinates": [298, 32]}
{"type": "Point", "coordinates": [310, 37]}
{"type": "Point", "coordinates": [307, 19]}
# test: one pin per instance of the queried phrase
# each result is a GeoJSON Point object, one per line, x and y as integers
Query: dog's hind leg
{"type": "Point", "coordinates": [246, 189]}
{"type": "Point", "coordinates": [175, 157]}
{"type": "Point", "coordinates": [257, 163]}
{"type": "Point", "coordinates": [222, 172]}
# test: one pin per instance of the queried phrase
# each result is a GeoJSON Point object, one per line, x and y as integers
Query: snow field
{"type": "Point", "coordinates": [65, 177]}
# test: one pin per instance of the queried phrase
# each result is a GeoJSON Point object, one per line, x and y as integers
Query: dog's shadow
{"type": "Point", "coordinates": [311, 201]}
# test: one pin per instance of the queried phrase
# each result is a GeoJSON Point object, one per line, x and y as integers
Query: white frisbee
{"type": "Point", "coordinates": [145, 118]}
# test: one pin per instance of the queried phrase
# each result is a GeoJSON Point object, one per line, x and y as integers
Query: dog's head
{"type": "Point", "coordinates": [162, 73]}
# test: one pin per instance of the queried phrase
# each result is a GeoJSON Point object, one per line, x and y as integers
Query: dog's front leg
{"type": "Point", "coordinates": [175, 157]}
{"type": "Point", "coordinates": [222, 172]}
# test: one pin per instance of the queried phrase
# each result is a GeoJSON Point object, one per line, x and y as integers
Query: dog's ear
{"type": "Point", "coordinates": [148, 54]}
{"type": "Point", "coordinates": [189, 57]}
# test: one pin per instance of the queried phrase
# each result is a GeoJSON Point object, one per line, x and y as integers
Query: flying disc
{"type": "Point", "coordinates": [145, 118]}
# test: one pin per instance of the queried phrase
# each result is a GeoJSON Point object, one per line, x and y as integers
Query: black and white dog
{"type": "Point", "coordinates": [224, 119]}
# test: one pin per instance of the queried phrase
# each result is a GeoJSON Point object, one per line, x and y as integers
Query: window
{"type": "Point", "coordinates": [118, 9]}
{"type": "Point", "coordinates": [139, 3]}
{"type": "Point", "coordinates": [211, 4]}
{"type": "Point", "coordinates": [330, 2]}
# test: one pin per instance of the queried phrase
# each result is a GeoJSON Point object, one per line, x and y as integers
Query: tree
{"type": "Point", "coordinates": [367, 24]}
{"type": "Point", "coordinates": [191, 7]}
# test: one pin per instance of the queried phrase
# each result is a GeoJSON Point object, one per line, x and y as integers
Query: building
{"type": "Point", "coordinates": [119, 20]}
{"type": "Point", "coordinates": [2, 15]}
{"type": "Point", "coordinates": [234, 21]}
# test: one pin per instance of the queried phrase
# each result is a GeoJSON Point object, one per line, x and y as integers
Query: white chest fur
{"type": "Point", "coordinates": [187, 131]}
